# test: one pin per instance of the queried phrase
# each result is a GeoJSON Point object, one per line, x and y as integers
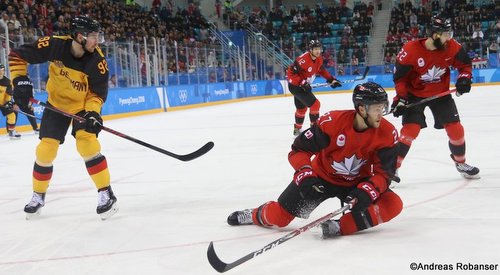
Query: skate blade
{"type": "Point", "coordinates": [108, 214]}
{"type": "Point", "coordinates": [15, 138]}
{"type": "Point", "coordinates": [30, 216]}
{"type": "Point", "coordinates": [470, 177]}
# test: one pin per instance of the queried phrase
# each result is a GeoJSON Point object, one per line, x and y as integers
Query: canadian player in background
{"type": "Point", "coordinates": [423, 70]}
{"type": "Point", "coordinates": [300, 75]}
{"type": "Point", "coordinates": [355, 155]}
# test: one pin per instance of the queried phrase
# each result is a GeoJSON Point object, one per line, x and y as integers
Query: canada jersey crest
{"type": "Point", "coordinates": [349, 166]}
{"type": "Point", "coordinates": [433, 75]}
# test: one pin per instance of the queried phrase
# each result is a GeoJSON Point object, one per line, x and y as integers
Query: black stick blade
{"type": "Point", "coordinates": [198, 153]}
{"type": "Point", "coordinates": [214, 260]}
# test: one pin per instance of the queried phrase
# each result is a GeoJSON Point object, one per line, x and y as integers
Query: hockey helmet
{"type": "Point", "coordinates": [369, 93]}
{"type": "Point", "coordinates": [314, 44]}
{"type": "Point", "coordinates": [440, 23]}
{"type": "Point", "coordinates": [85, 25]}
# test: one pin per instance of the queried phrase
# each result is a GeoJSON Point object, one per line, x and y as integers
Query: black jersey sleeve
{"type": "Point", "coordinates": [312, 140]}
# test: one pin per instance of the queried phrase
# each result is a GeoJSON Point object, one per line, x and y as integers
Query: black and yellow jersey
{"type": "Point", "coordinates": [5, 90]}
{"type": "Point", "coordinates": [74, 84]}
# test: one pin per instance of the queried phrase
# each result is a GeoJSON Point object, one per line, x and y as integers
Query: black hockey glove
{"type": "Point", "coordinates": [9, 105]}
{"type": "Point", "coordinates": [334, 83]}
{"type": "Point", "coordinates": [398, 107]}
{"type": "Point", "coordinates": [310, 187]}
{"type": "Point", "coordinates": [363, 195]}
{"type": "Point", "coordinates": [462, 86]}
{"type": "Point", "coordinates": [305, 86]}
{"type": "Point", "coordinates": [93, 122]}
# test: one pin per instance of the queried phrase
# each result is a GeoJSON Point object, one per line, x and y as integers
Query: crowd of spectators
{"type": "Point", "coordinates": [475, 24]}
{"type": "Point", "coordinates": [175, 27]}
{"type": "Point", "coordinates": [292, 28]}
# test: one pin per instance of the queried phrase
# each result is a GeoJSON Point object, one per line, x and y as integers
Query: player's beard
{"type": "Point", "coordinates": [438, 44]}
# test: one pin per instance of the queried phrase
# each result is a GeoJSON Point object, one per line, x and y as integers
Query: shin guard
{"type": "Point", "coordinates": [456, 135]}
{"type": "Point", "coordinates": [388, 206]}
{"type": "Point", "coordinates": [409, 133]}
{"type": "Point", "coordinates": [314, 112]}
{"type": "Point", "coordinates": [299, 117]}
{"type": "Point", "coordinates": [271, 213]}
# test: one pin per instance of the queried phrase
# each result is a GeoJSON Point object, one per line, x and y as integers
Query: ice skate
{"type": "Point", "coordinates": [243, 217]}
{"type": "Point", "coordinates": [14, 135]}
{"type": "Point", "coordinates": [34, 207]}
{"type": "Point", "coordinates": [467, 171]}
{"type": "Point", "coordinates": [330, 229]}
{"type": "Point", "coordinates": [395, 180]}
{"type": "Point", "coordinates": [106, 203]}
{"type": "Point", "coordinates": [296, 131]}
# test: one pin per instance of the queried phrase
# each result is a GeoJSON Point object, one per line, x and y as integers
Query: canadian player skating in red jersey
{"type": "Point", "coordinates": [300, 75]}
{"type": "Point", "coordinates": [355, 158]}
{"type": "Point", "coordinates": [423, 70]}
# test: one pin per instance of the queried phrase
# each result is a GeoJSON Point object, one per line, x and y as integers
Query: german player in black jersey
{"type": "Point", "coordinates": [23, 91]}
{"type": "Point", "coordinates": [77, 84]}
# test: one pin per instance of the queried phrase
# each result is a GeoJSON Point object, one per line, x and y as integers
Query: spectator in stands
{"type": "Point", "coordinates": [3, 21]}
{"type": "Point", "coordinates": [493, 47]}
{"type": "Point", "coordinates": [112, 81]}
{"type": "Point", "coordinates": [218, 6]}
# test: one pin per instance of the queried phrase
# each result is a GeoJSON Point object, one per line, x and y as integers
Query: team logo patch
{"type": "Point", "coordinates": [341, 140]}
{"type": "Point", "coordinates": [309, 69]}
{"type": "Point", "coordinates": [433, 75]}
{"type": "Point", "coordinates": [308, 134]}
{"type": "Point", "coordinates": [421, 62]}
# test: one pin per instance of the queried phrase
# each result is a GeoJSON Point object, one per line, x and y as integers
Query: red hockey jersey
{"type": "Point", "coordinates": [425, 73]}
{"type": "Point", "coordinates": [305, 69]}
{"type": "Point", "coordinates": [344, 156]}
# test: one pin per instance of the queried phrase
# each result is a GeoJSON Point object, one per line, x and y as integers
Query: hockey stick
{"type": "Point", "coordinates": [427, 99]}
{"type": "Point", "coordinates": [365, 73]}
{"type": "Point", "coordinates": [203, 150]}
{"type": "Point", "coordinates": [26, 114]}
{"type": "Point", "coordinates": [221, 266]}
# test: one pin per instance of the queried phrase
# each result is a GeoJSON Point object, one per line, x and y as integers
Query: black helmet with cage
{"type": "Point", "coordinates": [369, 93]}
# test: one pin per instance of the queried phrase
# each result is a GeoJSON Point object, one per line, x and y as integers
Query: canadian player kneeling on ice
{"type": "Point", "coordinates": [355, 159]}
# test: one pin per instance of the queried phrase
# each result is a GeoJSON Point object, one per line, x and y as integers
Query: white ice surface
{"type": "Point", "coordinates": [170, 210]}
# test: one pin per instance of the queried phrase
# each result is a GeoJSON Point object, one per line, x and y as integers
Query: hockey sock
{"type": "Point", "coordinates": [98, 171]}
{"type": "Point", "coordinates": [89, 148]}
{"type": "Point", "coordinates": [11, 121]}
{"type": "Point", "coordinates": [388, 206]}
{"type": "Point", "coordinates": [314, 112]}
{"type": "Point", "coordinates": [299, 117]}
{"type": "Point", "coordinates": [271, 213]}
{"type": "Point", "coordinates": [456, 142]}
{"type": "Point", "coordinates": [41, 177]}
{"type": "Point", "coordinates": [409, 133]}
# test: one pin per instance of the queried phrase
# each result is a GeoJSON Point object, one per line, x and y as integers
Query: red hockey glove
{"type": "Point", "coordinates": [310, 187]}
{"type": "Point", "coordinates": [363, 195]}
{"type": "Point", "coordinates": [398, 106]}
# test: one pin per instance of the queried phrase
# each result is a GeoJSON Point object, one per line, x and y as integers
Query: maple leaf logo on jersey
{"type": "Point", "coordinates": [350, 166]}
{"type": "Point", "coordinates": [433, 74]}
